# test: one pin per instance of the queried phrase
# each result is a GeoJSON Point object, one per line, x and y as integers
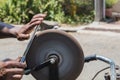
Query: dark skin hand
{"type": "Point", "coordinates": [12, 69]}
{"type": "Point", "coordinates": [21, 33]}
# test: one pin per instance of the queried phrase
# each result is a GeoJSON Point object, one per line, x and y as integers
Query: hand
{"type": "Point", "coordinates": [12, 70]}
{"type": "Point", "coordinates": [24, 32]}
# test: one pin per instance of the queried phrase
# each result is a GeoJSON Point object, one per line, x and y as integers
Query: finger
{"type": "Point", "coordinates": [13, 77]}
{"type": "Point", "coordinates": [31, 27]}
{"type": "Point", "coordinates": [17, 77]}
{"type": "Point", "coordinates": [14, 71]}
{"type": "Point", "coordinates": [39, 15]}
{"type": "Point", "coordinates": [23, 36]}
{"type": "Point", "coordinates": [36, 19]}
{"type": "Point", "coordinates": [35, 23]}
{"type": "Point", "coordinates": [10, 64]}
{"type": "Point", "coordinates": [18, 59]}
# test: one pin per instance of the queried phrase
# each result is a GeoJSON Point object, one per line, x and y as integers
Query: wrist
{"type": "Point", "coordinates": [13, 32]}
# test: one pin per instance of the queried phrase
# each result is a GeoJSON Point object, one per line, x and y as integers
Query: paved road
{"type": "Point", "coordinates": [101, 44]}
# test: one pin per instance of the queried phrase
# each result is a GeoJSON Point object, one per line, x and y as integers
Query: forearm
{"type": "Point", "coordinates": [7, 30]}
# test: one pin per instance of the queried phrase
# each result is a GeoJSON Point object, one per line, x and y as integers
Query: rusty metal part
{"type": "Point", "coordinates": [58, 43]}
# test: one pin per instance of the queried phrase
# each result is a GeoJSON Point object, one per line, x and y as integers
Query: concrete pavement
{"type": "Point", "coordinates": [93, 27]}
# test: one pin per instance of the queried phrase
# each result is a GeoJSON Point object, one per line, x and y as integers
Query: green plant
{"type": "Point", "coordinates": [15, 11]}
{"type": "Point", "coordinates": [2, 2]}
{"type": "Point", "coordinates": [53, 9]}
{"type": "Point", "coordinates": [110, 3]}
{"type": "Point", "coordinates": [78, 11]}
{"type": "Point", "coordinates": [63, 11]}
{"type": "Point", "coordinates": [21, 11]}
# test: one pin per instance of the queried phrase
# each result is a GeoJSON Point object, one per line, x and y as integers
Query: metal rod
{"type": "Point", "coordinates": [38, 67]}
{"type": "Point", "coordinates": [106, 60]}
{"type": "Point", "coordinates": [112, 65]}
{"type": "Point", "coordinates": [46, 63]}
{"type": "Point", "coordinates": [53, 72]}
{"type": "Point", "coordinates": [29, 44]}
{"type": "Point", "coordinates": [99, 6]}
{"type": "Point", "coordinates": [42, 65]}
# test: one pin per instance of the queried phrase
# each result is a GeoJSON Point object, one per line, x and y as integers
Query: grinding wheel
{"type": "Point", "coordinates": [60, 43]}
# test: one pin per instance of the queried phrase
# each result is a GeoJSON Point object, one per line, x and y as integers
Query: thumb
{"type": "Point", "coordinates": [18, 59]}
{"type": "Point", "coordinates": [22, 37]}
